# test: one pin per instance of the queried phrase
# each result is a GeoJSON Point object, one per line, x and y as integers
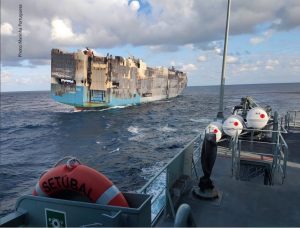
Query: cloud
{"type": "Point", "coordinates": [164, 48]}
{"type": "Point", "coordinates": [5, 77]}
{"type": "Point", "coordinates": [232, 59]}
{"type": "Point", "coordinates": [11, 80]}
{"type": "Point", "coordinates": [23, 81]}
{"type": "Point", "coordinates": [271, 63]}
{"type": "Point", "coordinates": [8, 77]}
{"type": "Point", "coordinates": [218, 51]}
{"type": "Point", "coordinates": [190, 46]}
{"type": "Point", "coordinates": [188, 67]}
{"type": "Point", "coordinates": [107, 24]}
{"type": "Point", "coordinates": [269, 67]}
{"type": "Point", "coordinates": [35, 62]}
{"type": "Point", "coordinates": [289, 15]}
{"type": "Point", "coordinates": [61, 31]}
{"type": "Point", "coordinates": [248, 67]}
{"type": "Point", "coordinates": [134, 5]}
{"type": "Point", "coordinates": [256, 40]}
{"type": "Point", "coordinates": [295, 64]}
{"type": "Point", "coordinates": [265, 36]}
{"type": "Point", "coordinates": [268, 33]}
{"type": "Point", "coordinates": [6, 29]}
{"type": "Point", "coordinates": [202, 58]}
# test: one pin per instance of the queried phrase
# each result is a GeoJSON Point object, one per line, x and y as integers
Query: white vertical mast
{"type": "Point", "coordinates": [221, 108]}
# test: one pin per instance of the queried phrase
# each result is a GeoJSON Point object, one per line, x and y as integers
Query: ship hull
{"type": "Point", "coordinates": [76, 99]}
{"type": "Point", "coordinates": [99, 82]}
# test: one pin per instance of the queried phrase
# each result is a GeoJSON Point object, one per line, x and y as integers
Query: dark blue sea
{"type": "Point", "coordinates": [128, 144]}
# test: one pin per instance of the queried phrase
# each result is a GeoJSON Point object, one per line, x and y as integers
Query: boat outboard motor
{"type": "Point", "coordinates": [233, 125]}
{"type": "Point", "coordinates": [257, 118]}
{"type": "Point", "coordinates": [208, 158]}
{"type": "Point", "coordinates": [246, 104]}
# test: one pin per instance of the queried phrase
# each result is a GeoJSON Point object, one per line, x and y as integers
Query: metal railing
{"type": "Point", "coordinates": [274, 152]}
{"type": "Point", "coordinates": [281, 156]}
{"type": "Point", "coordinates": [292, 119]}
{"type": "Point", "coordinates": [235, 145]}
{"type": "Point", "coordinates": [184, 163]}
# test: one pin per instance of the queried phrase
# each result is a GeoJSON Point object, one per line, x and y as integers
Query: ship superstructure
{"type": "Point", "coordinates": [84, 80]}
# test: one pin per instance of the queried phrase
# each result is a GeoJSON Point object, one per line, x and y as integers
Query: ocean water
{"type": "Point", "coordinates": [128, 144]}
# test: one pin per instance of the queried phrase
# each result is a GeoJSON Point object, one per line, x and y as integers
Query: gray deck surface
{"type": "Point", "coordinates": [247, 203]}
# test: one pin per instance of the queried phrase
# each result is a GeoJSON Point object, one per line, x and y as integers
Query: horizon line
{"type": "Point", "coordinates": [11, 91]}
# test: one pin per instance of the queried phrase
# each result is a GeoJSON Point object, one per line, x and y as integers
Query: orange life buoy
{"type": "Point", "coordinates": [83, 180]}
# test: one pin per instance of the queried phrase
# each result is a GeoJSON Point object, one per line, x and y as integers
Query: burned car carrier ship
{"type": "Point", "coordinates": [86, 81]}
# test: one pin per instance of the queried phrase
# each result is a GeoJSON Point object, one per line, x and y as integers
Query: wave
{"type": "Point", "coordinates": [114, 151]}
{"type": "Point", "coordinates": [201, 120]}
{"type": "Point", "coordinates": [33, 126]}
{"type": "Point", "coordinates": [116, 107]}
{"type": "Point", "coordinates": [148, 172]}
{"type": "Point", "coordinates": [100, 109]}
{"type": "Point", "coordinates": [65, 111]}
{"type": "Point", "coordinates": [169, 146]}
{"type": "Point", "coordinates": [162, 101]}
{"type": "Point", "coordinates": [138, 138]}
{"type": "Point", "coordinates": [108, 125]}
{"type": "Point", "coordinates": [156, 188]}
{"type": "Point", "coordinates": [167, 129]}
{"type": "Point", "coordinates": [14, 129]}
{"type": "Point", "coordinates": [133, 130]}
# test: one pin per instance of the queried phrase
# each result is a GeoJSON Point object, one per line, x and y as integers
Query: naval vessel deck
{"type": "Point", "coordinates": [244, 203]}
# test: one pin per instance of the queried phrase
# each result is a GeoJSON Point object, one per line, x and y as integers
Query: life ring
{"type": "Point", "coordinates": [81, 179]}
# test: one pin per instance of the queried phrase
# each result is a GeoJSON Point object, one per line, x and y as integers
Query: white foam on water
{"type": "Point", "coordinates": [160, 182]}
{"type": "Point", "coordinates": [197, 130]}
{"type": "Point", "coordinates": [167, 129]}
{"type": "Point", "coordinates": [139, 134]}
{"type": "Point", "coordinates": [156, 188]}
{"type": "Point", "coordinates": [116, 107]}
{"type": "Point", "coordinates": [163, 101]}
{"type": "Point", "coordinates": [133, 130]}
{"type": "Point", "coordinates": [138, 138]}
{"type": "Point", "coordinates": [150, 171]}
{"type": "Point", "coordinates": [99, 110]}
{"type": "Point", "coordinates": [201, 120]}
{"type": "Point", "coordinates": [64, 111]}
{"type": "Point", "coordinates": [113, 151]}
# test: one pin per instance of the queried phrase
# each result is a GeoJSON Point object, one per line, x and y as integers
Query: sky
{"type": "Point", "coordinates": [263, 45]}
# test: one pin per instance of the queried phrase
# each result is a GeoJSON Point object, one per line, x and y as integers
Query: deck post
{"type": "Point", "coordinates": [220, 114]}
{"type": "Point", "coordinates": [275, 131]}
